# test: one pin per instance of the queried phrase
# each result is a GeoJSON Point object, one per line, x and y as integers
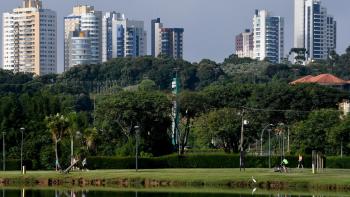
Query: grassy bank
{"type": "Point", "coordinates": [303, 179]}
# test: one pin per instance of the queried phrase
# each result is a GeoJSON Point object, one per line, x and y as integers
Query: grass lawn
{"type": "Point", "coordinates": [205, 176]}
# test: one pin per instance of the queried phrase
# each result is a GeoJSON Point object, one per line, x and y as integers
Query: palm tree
{"type": "Point", "coordinates": [90, 134]}
{"type": "Point", "coordinates": [58, 125]}
{"type": "Point", "coordinates": [72, 130]}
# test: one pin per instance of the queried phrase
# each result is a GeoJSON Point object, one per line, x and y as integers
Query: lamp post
{"type": "Point", "coordinates": [137, 132]}
{"type": "Point", "coordinates": [261, 138]}
{"type": "Point", "coordinates": [269, 148]}
{"type": "Point", "coordinates": [241, 156]}
{"type": "Point", "coordinates": [3, 152]}
{"type": "Point", "coordinates": [22, 131]}
{"type": "Point", "coordinates": [281, 139]}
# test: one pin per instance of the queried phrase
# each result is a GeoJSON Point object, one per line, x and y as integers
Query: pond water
{"type": "Point", "coordinates": [106, 193]}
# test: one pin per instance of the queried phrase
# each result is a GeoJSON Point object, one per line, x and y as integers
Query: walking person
{"type": "Point", "coordinates": [84, 164]}
{"type": "Point", "coordinates": [300, 161]}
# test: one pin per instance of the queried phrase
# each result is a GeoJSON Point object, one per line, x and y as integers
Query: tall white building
{"type": "Point", "coordinates": [29, 39]}
{"type": "Point", "coordinates": [268, 36]}
{"type": "Point", "coordinates": [89, 21]}
{"type": "Point", "coordinates": [166, 41]}
{"type": "Point", "coordinates": [314, 29]}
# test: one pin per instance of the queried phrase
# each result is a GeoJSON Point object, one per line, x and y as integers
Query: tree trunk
{"type": "Point", "coordinates": [184, 137]}
{"type": "Point", "coordinates": [71, 150]}
{"type": "Point", "coordinates": [57, 163]}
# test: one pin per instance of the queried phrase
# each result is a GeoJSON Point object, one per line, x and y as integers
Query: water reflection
{"type": "Point", "coordinates": [93, 193]}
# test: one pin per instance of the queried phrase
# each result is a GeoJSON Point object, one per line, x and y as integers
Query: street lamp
{"type": "Point", "coordinates": [261, 138]}
{"type": "Point", "coordinates": [22, 131]}
{"type": "Point", "coordinates": [137, 132]}
{"type": "Point", "coordinates": [3, 152]}
{"type": "Point", "coordinates": [241, 155]}
{"type": "Point", "coordinates": [269, 148]}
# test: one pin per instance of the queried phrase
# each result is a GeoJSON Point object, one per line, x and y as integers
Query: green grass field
{"type": "Point", "coordinates": [206, 177]}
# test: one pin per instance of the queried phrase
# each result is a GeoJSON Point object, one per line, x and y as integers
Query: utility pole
{"type": "Point", "coordinates": [137, 133]}
{"type": "Point", "coordinates": [22, 131]}
{"type": "Point", "coordinates": [288, 140]}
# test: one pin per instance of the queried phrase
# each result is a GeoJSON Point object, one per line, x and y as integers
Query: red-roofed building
{"type": "Point", "coordinates": [324, 79]}
{"type": "Point", "coordinates": [302, 80]}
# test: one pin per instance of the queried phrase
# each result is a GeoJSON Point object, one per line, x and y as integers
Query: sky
{"type": "Point", "coordinates": [210, 25]}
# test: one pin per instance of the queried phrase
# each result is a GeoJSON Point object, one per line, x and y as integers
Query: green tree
{"type": "Point", "coordinates": [219, 128]}
{"type": "Point", "coordinates": [315, 132]}
{"type": "Point", "coordinates": [118, 115]}
{"type": "Point", "coordinates": [339, 137]}
{"type": "Point", "coordinates": [147, 85]}
{"type": "Point", "coordinates": [72, 129]}
{"type": "Point", "coordinates": [58, 125]}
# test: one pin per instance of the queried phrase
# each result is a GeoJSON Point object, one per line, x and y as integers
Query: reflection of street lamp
{"type": "Point", "coordinates": [137, 132]}
{"type": "Point", "coordinates": [22, 131]}
{"type": "Point", "coordinates": [261, 138]}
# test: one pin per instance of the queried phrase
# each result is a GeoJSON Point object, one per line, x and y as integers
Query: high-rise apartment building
{"type": "Point", "coordinates": [122, 37]}
{"type": "Point", "coordinates": [166, 41]}
{"type": "Point", "coordinates": [80, 45]}
{"type": "Point", "coordinates": [107, 34]}
{"type": "Point", "coordinates": [245, 44]}
{"type": "Point", "coordinates": [87, 20]}
{"type": "Point", "coordinates": [29, 39]}
{"type": "Point", "coordinates": [268, 36]}
{"type": "Point", "coordinates": [314, 29]}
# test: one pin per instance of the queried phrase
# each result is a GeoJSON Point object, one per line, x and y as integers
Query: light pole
{"type": "Point", "coordinates": [22, 131]}
{"type": "Point", "coordinates": [241, 155]}
{"type": "Point", "coordinates": [269, 148]}
{"type": "Point", "coordinates": [281, 140]}
{"type": "Point", "coordinates": [137, 132]}
{"type": "Point", "coordinates": [3, 152]}
{"type": "Point", "coordinates": [261, 138]}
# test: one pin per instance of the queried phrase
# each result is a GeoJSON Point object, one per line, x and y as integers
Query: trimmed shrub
{"type": "Point", "coordinates": [15, 164]}
{"type": "Point", "coordinates": [192, 161]}
{"type": "Point", "coordinates": [338, 162]}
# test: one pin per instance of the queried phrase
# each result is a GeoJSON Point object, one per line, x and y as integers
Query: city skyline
{"type": "Point", "coordinates": [215, 44]}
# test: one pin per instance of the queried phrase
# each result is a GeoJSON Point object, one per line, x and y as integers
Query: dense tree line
{"type": "Point", "coordinates": [109, 100]}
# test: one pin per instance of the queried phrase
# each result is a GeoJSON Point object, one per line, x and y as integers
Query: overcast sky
{"type": "Point", "coordinates": [210, 25]}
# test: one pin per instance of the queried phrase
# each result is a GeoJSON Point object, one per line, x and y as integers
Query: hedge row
{"type": "Point", "coordinates": [15, 164]}
{"type": "Point", "coordinates": [191, 161]}
{"type": "Point", "coordinates": [338, 162]}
